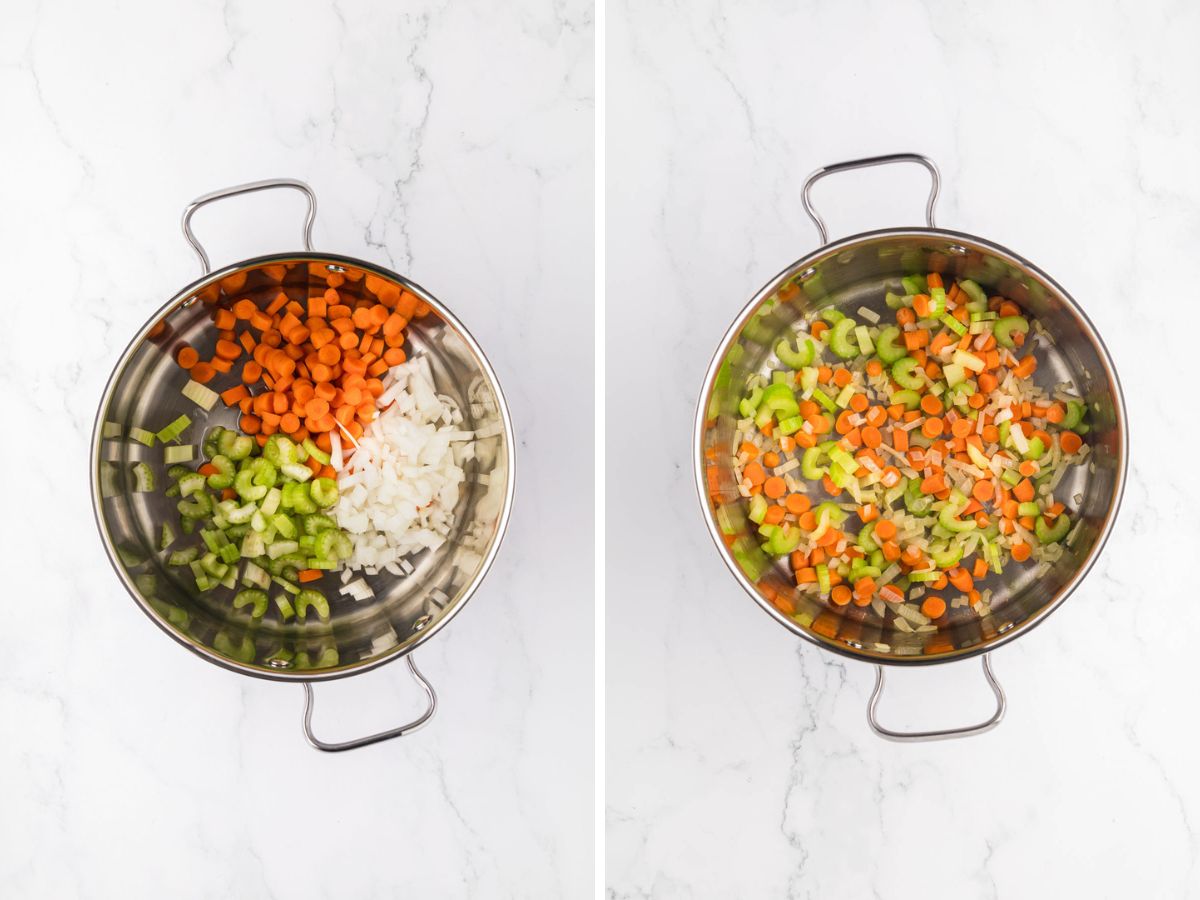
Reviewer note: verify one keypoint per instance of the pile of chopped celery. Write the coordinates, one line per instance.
(262, 520)
(932, 424)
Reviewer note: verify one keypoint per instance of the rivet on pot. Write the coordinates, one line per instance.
(957, 249)
(807, 273)
(278, 663)
(422, 622)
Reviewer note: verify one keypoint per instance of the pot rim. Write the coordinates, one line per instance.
(854, 241)
(341, 671)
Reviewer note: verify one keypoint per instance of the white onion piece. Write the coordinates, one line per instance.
(399, 489)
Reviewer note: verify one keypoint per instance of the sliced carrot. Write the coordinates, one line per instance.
(933, 607)
(202, 372)
(187, 357)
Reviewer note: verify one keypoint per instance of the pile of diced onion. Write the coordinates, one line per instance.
(400, 486)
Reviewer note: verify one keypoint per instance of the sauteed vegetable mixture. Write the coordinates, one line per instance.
(897, 464)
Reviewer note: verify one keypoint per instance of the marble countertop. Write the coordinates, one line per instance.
(452, 142)
(739, 759)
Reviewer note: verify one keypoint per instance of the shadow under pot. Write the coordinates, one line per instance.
(401, 610)
(843, 278)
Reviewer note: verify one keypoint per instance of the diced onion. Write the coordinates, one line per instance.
(399, 490)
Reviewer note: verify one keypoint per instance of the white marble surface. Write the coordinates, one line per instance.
(452, 141)
(739, 761)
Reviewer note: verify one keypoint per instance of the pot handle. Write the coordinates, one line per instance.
(944, 734)
(408, 728)
(250, 188)
(866, 164)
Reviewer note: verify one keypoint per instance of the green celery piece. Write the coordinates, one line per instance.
(802, 356)
(1052, 534)
(953, 324)
(175, 429)
(142, 436)
(824, 399)
(1075, 413)
(1005, 328)
(974, 292)
(888, 345)
(758, 509)
(313, 450)
(810, 464)
(309, 598)
(839, 339)
(254, 598)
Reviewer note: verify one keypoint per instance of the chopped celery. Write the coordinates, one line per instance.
(1075, 413)
(223, 477)
(937, 302)
(183, 557)
(166, 536)
(821, 397)
(974, 292)
(192, 483)
(948, 517)
(284, 605)
(282, 548)
(888, 345)
(178, 453)
(286, 585)
(314, 599)
(953, 324)
(758, 509)
(1052, 534)
(839, 339)
(907, 373)
(142, 436)
(823, 581)
(747, 407)
(1005, 328)
(802, 356)
(143, 477)
(280, 451)
(296, 471)
(234, 446)
(270, 503)
(946, 556)
(253, 546)
(810, 464)
(200, 395)
(175, 429)
(254, 598)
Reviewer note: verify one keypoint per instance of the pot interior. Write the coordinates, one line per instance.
(857, 272)
(145, 391)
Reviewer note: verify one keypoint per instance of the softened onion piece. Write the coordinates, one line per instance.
(399, 489)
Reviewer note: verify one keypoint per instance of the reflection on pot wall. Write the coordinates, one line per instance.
(146, 391)
(855, 273)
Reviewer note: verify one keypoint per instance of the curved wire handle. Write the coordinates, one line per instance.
(867, 163)
(943, 734)
(408, 728)
(249, 189)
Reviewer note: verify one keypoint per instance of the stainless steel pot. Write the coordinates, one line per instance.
(144, 389)
(856, 271)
